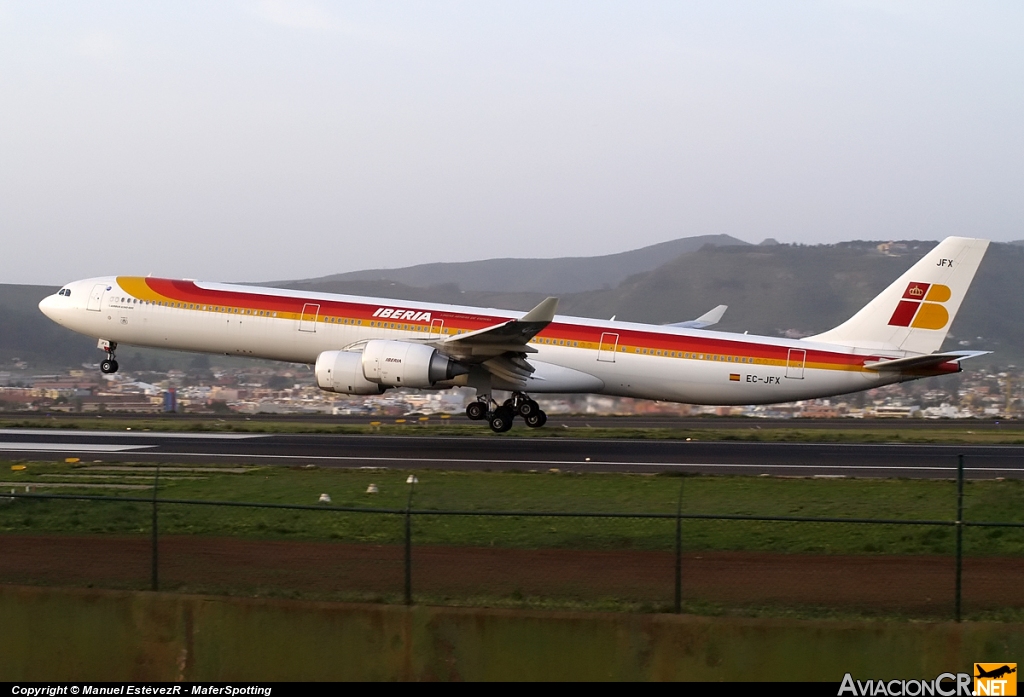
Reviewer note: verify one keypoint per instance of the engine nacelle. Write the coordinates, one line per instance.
(342, 372)
(404, 364)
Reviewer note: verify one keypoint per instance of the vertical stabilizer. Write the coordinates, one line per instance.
(914, 313)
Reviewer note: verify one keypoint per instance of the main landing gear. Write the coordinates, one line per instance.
(109, 364)
(501, 417)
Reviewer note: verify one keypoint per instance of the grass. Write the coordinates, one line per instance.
(899, 499)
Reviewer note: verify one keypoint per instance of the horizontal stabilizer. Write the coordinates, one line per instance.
(919, 362)
(705, 320)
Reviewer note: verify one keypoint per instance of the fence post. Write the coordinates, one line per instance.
(959, 533)
(408, 543)
(155, 579)
(677, 607)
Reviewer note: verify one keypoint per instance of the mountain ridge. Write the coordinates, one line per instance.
(557, 275)
(779, 289)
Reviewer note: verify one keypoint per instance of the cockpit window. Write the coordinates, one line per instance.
(66, 292)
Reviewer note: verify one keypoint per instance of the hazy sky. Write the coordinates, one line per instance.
(272, 140)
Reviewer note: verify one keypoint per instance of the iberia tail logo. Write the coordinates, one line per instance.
(922, 307)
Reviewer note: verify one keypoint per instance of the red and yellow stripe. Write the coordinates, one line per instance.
(187, 295)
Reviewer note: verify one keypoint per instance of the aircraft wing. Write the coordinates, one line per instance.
(501, 349)
(926, 361)
(705, 320)
(512, 336)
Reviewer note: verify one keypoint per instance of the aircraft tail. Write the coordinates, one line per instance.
(914, 313)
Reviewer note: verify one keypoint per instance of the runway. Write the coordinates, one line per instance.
(524, 454)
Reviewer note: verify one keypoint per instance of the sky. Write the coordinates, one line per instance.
(265, 140)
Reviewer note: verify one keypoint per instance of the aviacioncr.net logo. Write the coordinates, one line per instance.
(995, 679)
(945, 685)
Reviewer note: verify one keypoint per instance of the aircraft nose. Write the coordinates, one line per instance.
(48, 306)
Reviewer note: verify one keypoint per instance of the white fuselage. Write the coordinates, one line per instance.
(613, 358)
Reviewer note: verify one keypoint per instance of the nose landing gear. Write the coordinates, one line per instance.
(109, 364)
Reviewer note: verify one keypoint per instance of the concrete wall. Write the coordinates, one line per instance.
(58, 634)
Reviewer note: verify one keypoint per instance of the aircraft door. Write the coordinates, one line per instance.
(436, 328)
(795, 362)
(307, 321)
(608, 346)
(96, 297)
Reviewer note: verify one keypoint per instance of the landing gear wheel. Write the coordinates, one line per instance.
(108, 366)
(501, 419)
(536, 419)
(527, 408)
(476, 411)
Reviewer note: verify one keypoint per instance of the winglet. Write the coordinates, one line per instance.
(544, 312)
(705, 320)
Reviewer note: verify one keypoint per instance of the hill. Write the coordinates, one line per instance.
(782, 289)
(779, 289)
(27, 334)
(552, 276)
(801, 290)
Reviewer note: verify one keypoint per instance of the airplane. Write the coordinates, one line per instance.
(994, 673)
(364, 346)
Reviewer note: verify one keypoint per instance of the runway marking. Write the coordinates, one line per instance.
(71, 447)
(659, 442)
(200, 435)
(606, 463)
(76, 485)
(129, 434)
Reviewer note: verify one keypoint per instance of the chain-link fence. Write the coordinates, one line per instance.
(647, 562)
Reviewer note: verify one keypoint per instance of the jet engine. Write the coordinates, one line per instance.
(404, 364)
(342, 372)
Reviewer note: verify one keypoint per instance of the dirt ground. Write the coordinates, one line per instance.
(466, 575)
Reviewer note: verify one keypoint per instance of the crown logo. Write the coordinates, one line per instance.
(916, 291)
